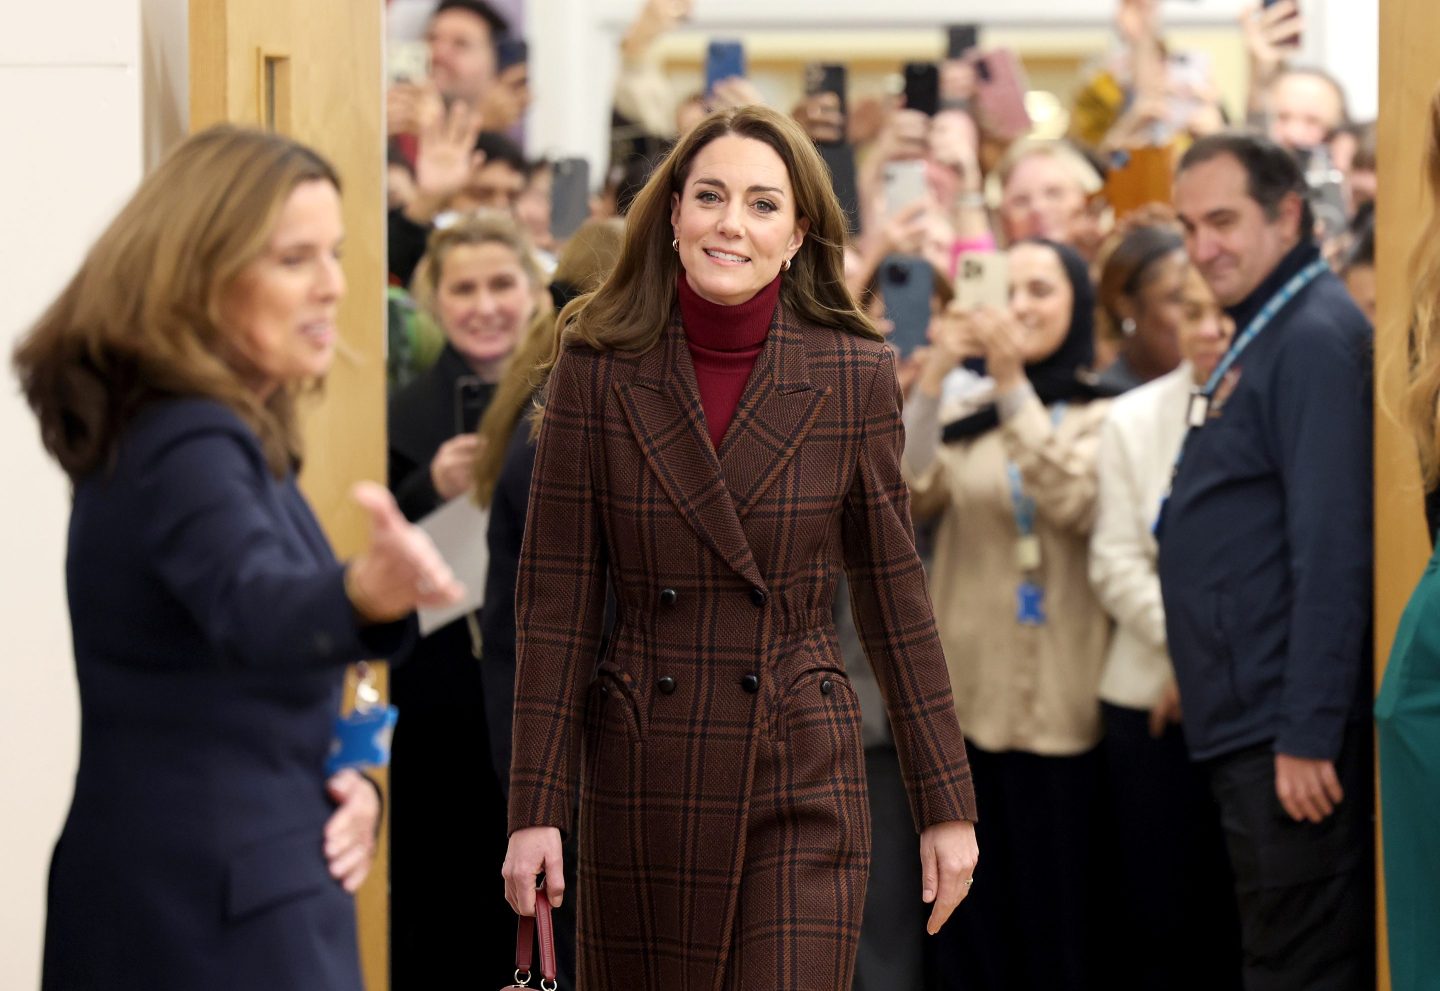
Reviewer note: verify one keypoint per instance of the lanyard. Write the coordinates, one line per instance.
(1022, 503)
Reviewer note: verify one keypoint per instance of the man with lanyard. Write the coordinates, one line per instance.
(1265, 570)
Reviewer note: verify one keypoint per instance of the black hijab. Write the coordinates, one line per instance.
(1062, 377)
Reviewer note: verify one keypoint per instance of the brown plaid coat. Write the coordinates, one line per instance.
(724, 825)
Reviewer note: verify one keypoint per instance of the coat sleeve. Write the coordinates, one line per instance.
(895, 619)
(559, 604)
(1322, 436)
(214, 543)
(1122, 560)
(1057, 467)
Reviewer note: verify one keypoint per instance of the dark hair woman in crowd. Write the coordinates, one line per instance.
(720, 437)
(1010, 479)
(482, 286)
(1141, 289)
(211, 621)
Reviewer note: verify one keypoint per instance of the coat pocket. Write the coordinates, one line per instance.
(274, 871)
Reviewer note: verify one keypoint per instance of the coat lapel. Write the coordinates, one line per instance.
(662, 406)
(776, 411)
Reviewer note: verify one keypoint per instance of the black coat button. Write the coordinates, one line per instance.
(668, 596)
(758, 596)
(666, 685)
(751, 683)
(826, 686)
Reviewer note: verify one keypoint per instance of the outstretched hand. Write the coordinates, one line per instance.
(401, 569)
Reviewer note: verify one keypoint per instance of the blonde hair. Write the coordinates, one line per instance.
(587, 258)
(141, 319)
(484, 227)
(1420, 403)
(631, 310)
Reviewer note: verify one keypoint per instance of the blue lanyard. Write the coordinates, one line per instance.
(1022, 503)
(1262, 320)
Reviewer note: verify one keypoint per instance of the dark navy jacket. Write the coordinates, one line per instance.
(1265, 547)
(211, 628)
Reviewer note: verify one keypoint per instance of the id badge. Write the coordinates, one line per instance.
(1030, 604)
(362, 737)
(1027, 552)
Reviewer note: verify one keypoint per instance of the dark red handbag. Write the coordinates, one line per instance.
(543, 925)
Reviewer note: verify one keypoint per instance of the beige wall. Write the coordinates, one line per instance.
(70, 98)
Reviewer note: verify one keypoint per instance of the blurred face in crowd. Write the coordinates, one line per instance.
(1041, 300)
(493, 186)
(1228, 235)
(1042, 199)
(462, 55)
(281, 308)
(1205, 330)
(735, 219)
(1360, 280)
(1156, 309)
(533, 207)
(1304, 109)
(688, 114)
(484, 301)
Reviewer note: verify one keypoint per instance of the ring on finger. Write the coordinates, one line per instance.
(969, 880)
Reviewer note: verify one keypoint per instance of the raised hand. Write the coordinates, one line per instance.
(401, 569)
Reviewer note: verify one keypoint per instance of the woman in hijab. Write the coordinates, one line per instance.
(1012, 490)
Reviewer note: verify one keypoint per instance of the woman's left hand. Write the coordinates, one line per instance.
(948, 855)
(350, 834)
(1000, 335)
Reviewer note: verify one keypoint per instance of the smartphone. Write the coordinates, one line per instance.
(510, 51)
(826, 77)
(1327, 193)
(1137, 177)
(983, 279)
(922, 87)
(569, 196)
(960, 38)
(907, 284)
(904, 184)
(723, 59)
(839, 158)
(469, 403)
(409, 62)
(1000, 87)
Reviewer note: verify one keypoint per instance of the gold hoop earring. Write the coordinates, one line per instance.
(675, 245)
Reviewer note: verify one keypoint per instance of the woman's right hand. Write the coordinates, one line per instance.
(951, 341)
(533, 851)
(453, 468)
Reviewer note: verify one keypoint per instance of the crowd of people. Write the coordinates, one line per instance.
(874, 488)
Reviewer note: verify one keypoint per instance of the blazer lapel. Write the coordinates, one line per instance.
(662, 406)
(776, 411)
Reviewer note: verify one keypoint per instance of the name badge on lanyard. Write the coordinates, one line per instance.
(362, 738)
(1030, 593)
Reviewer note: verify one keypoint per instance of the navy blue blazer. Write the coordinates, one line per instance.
(1265, 547)
(211, 629)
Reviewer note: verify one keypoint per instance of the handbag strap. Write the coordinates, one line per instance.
(544, 924)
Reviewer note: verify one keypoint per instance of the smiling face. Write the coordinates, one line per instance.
(462, 55)
(280, 311)
(734, 219)
(484, 301)
(1041, 199)
(1040, 299)
(1228, 235)
(1205, 330)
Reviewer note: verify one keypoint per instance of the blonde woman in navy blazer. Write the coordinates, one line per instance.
(212, 622)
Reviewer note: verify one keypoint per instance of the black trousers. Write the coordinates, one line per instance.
(1176, 925)
(1029, 922)
(1305, 891)
(892, 936)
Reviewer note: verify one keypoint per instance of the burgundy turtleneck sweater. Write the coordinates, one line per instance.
(724, 343)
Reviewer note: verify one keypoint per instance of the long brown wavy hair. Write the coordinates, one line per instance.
(1420, 403)
(631, 310)
(140, 320)
(584, 263)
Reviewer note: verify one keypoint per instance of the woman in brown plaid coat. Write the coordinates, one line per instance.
(724, 830)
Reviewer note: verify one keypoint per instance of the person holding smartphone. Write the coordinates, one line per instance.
(479, 282)
(1008, 474)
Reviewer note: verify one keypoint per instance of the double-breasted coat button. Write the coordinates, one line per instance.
(751, 683)
(758, 596)
(666, 685)
(826, 686)
(668, 596)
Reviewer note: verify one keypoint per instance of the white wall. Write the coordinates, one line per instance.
(70, 103)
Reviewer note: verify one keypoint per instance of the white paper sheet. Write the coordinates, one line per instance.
(458, 529)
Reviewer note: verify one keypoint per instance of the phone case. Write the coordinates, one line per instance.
(723, 59)
(922, 87)
(1000, 95)
(569, 196)
(904, 184)
(906, 285)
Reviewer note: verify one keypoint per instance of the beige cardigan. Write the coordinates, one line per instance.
(1022, 688)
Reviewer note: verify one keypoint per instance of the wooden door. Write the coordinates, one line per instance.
(312, 69)
(1409, 38)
